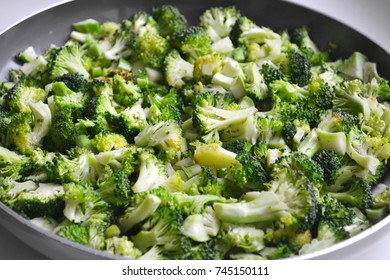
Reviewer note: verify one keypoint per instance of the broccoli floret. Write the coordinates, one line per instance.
(114, 188)
(214, 155)
(135, 214)
(150, 48)
(238, 146)
(108, 141)
(161, 229)
(288, 237)
(367, 151)
(290, 199)
(63, 133)
(246, 32)
(206, 66)
(69, 59)
(129, 122)
(333, 129)
(383, 90)
(65, 97)
(327, 235)
(299, 68)
(293, 132)
(75, 232)
(125, 92)
(151, 172)
(21, 96)
(300, 163)
(27, 130)
(47, 200)
(330, 163)
(177, 71)
(248, 174)
(208, 118)
(75, 82)
(321, 95)
(122, 246)
(247, 238)
(358, 194)
(169, 20)
(77, 196)
(270, 131)
(140, 23)
(347, 98)
(192, 43)
(287, 91)
(271, 73)
(166, 137)
(201, 227)
(219, 21)
(118, 45)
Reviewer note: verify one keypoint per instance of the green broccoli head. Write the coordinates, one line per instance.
(192, 43)
(169, 20)
(69, 59)
(219, 21)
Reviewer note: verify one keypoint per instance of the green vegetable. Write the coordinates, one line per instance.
(151, 138)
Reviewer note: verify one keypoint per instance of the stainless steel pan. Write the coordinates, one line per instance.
(54, 25)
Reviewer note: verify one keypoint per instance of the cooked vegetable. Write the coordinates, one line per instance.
(153, 139)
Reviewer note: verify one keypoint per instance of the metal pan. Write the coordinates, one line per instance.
(52, 26)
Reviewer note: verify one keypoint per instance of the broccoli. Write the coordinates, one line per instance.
(348, 99)
(75, 232)
(151, 173)
(150, 49)
(177, 71)
(192, 43)
(294, 132)
(367, 151)
(330, 163)
(125, 92)
(114, 188)
(122, 246)
(271, 73)
(63, 133)
(26, 131)
(118, 45)
(333, 129)
(163, 229)
(21, 96)
(299, 68)
(358, 194)
(166, 137)
(140, 23)
(292, 206)
(206, 66)
(208, 118)
(169, 20)
(75, 82)
(288, 91)
(300, 163)
(248, 174)
(247, 238)
(151, 138)
(129, 122)
(270, 131)
(69, 59)
(135, 214)
(245, 32)
(219, 21)
(201, 227)
(45, 200)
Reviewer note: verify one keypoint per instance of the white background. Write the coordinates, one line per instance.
(370, 17)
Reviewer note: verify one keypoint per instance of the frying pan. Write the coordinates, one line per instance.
(52, 26)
